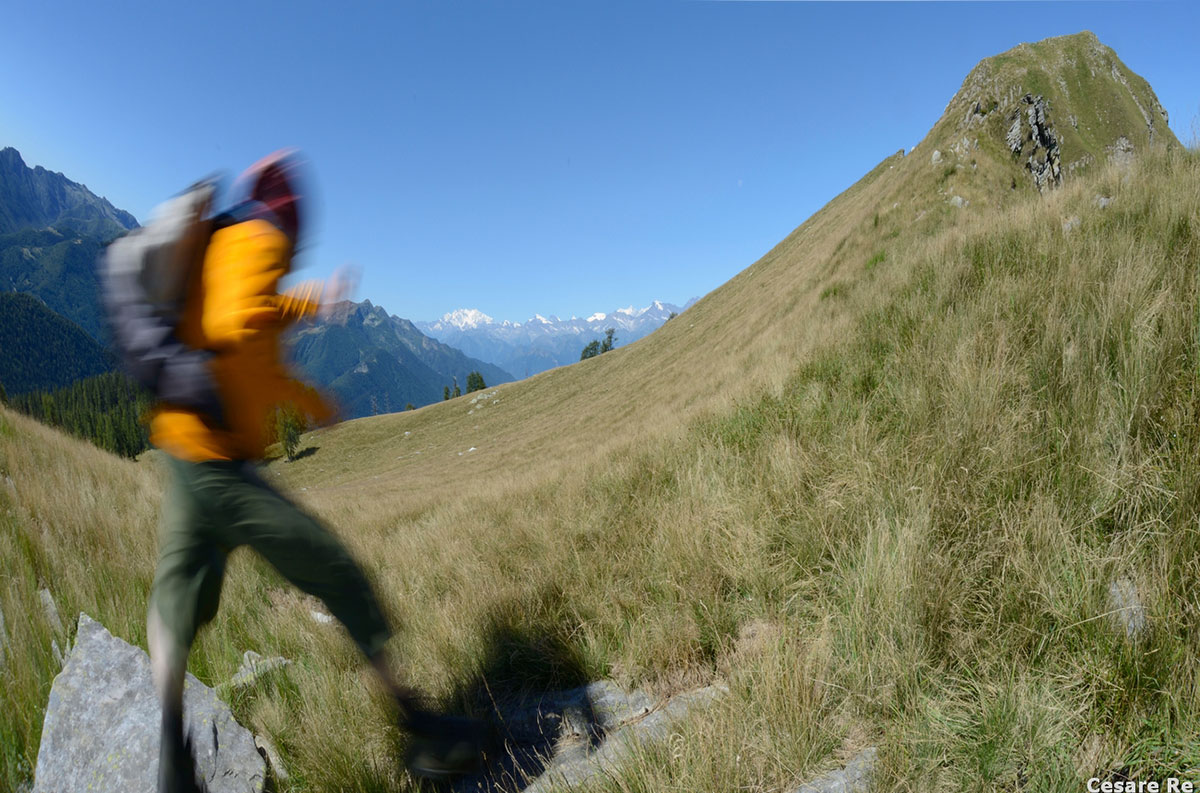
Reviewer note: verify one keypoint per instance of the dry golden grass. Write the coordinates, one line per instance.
(882, 497)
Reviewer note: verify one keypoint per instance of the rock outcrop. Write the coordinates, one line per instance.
(569, 737)
(1055, 107)
(1045, 159)
(101, 731)
(854, 778)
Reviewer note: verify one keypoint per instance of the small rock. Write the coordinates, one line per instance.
(254, 667)
(854, 778)
(1070, 224)
(959, 201)
(1121, 152)
(1103, 201)
(103, 721)
(1127, 608)
(50, 611)
(268, 751)
(936, 158)
(321, 617)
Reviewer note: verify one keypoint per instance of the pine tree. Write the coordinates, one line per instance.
(445, 393)
(475, 382)
(288, 426)
(106, 409)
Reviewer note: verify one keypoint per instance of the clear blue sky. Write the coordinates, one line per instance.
(520, 158)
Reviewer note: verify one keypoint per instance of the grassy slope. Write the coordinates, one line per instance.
(879, 482)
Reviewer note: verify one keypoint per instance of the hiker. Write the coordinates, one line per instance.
(219, 377)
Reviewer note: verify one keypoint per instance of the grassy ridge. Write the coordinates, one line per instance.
(901, 534)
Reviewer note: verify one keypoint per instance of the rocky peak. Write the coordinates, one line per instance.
(35, 198)
(1049, 109)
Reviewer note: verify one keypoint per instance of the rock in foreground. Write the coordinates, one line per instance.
(101, 730)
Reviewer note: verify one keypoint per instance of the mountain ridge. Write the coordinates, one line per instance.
(37, 198)
(375, 362)
(543, 342)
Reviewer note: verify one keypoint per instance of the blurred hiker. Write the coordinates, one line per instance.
(217, 371)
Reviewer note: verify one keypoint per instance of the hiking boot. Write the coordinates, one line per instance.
(443, 747)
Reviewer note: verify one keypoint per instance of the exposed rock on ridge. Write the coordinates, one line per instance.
(1045, 159)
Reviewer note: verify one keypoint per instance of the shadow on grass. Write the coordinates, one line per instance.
(307, 451)
(530, 688)
(275, 457)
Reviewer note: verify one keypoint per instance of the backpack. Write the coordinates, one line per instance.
(144, 279)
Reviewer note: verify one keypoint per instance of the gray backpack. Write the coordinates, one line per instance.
(144, 277)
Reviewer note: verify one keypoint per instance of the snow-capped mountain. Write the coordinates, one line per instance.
(541, 343)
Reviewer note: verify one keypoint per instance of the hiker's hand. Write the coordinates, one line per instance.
(341, 287)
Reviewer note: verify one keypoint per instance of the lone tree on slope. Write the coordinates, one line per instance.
(598, 347)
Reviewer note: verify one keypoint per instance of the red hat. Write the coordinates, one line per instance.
(274, 181)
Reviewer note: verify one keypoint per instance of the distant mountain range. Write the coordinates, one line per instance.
(374, 362)
(541, 343)
(52, 231)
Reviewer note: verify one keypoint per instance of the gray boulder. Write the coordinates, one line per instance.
(101, 730)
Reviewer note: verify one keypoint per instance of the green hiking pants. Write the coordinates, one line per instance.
(212, 508)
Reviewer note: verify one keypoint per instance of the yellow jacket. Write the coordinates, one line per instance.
(235, 310)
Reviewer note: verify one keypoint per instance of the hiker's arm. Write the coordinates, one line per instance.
(301, 301)
(241, 279)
